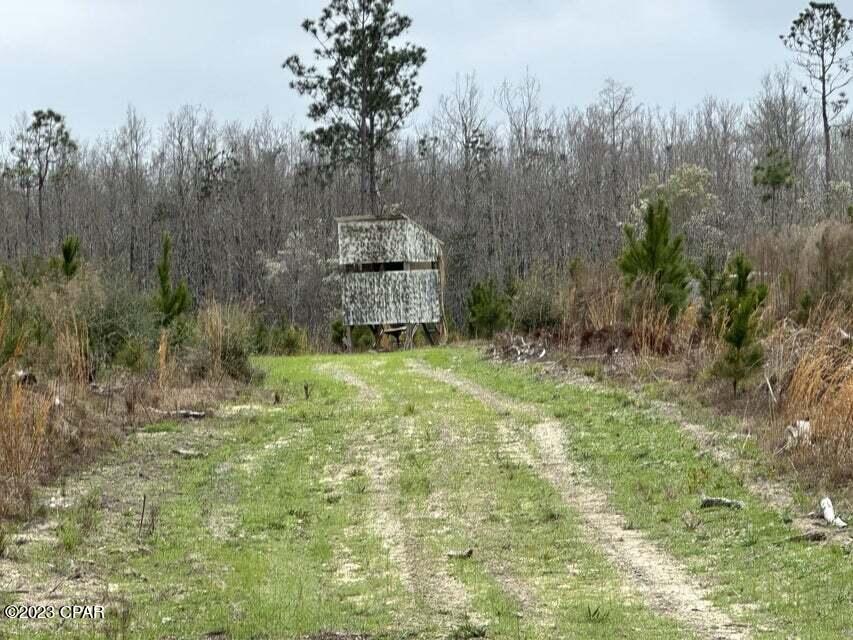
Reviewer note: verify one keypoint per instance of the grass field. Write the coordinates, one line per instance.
(426, 494)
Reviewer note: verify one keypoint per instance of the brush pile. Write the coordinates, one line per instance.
(511, 347)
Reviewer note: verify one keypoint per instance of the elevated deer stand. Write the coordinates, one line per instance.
(393, 278)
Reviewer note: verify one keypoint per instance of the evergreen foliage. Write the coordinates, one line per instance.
(740, 303)
(70, 256)
(171, 301)
(368, 88)
(657, 257)
(820, 37)
(772, 174)
(362, 337)
(488, 310)
(711, 281)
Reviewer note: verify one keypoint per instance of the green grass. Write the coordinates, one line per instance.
(80, 521)
(161, 427)
(518, 527)
(655, 475)
(276, 531)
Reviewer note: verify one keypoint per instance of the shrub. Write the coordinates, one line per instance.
(740, 303)
(658, 257)
(122, 323)
(488, 310)
(534, 303)
(280, 339)
(804, 310)
(171, 301)
(362, 337)
(226, 343)
(133, 355)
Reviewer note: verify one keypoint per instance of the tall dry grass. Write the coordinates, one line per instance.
(816, 364)
(72, 350)
(225, 337)
(211, 325)
(649, 322)
(24, 424)
(165, 370)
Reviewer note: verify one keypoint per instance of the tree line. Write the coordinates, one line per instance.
(503, 179)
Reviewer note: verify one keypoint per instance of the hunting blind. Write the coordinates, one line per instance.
(392, 277)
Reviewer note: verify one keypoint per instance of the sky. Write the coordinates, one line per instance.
(90, 59)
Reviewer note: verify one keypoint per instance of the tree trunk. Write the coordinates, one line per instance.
(41, 216)
(371, 167)
(364, 178)
(827, 142)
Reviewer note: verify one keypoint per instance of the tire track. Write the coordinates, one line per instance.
(652, 574)
(422, 574)
(721, 447)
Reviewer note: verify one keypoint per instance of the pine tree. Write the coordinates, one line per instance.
(170, 301)
(773, 173)
(488, 310)
(711, 282)
(658, 257)
(70, 256)
(820, 39)
(367, 90)
(740, 304)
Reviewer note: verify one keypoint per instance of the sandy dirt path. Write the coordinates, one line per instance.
(422, 573)
(649, 572)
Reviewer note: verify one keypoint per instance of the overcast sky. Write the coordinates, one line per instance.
(89, 59)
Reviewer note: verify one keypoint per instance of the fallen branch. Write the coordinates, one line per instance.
(107, 391)
(770, 389)
(710, 501)
(186, 414)
(188, 453)
(808, 536)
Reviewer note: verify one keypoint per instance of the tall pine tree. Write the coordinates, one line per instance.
(367, 88)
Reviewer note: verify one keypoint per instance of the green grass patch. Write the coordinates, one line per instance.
(655, 476)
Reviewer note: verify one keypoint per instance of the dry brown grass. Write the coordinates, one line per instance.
(649, 323)
(816, 259)
(819, 387)
(604, 302)
(71, 350)
(24, 420)
(165, 370)
(211, 325)
(25, 417)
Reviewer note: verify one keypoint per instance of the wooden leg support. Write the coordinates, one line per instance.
(428, 335)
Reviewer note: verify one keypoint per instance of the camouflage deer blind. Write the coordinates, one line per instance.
(391, 272)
